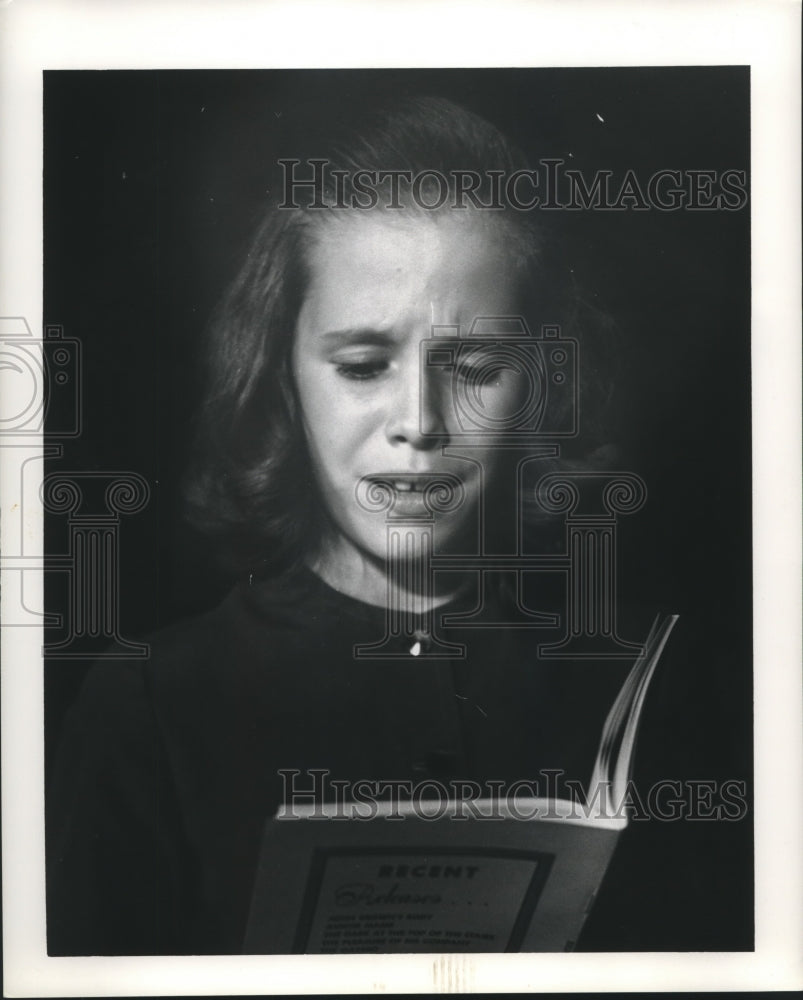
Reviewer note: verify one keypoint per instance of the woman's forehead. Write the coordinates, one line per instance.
(383, 268)
(400, 242)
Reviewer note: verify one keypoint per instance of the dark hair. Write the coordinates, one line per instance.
(251, 486)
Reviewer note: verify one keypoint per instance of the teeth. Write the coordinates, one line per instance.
(407, 485)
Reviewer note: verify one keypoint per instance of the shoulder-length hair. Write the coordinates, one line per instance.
(251, 485)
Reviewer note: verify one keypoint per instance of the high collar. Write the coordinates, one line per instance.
(301, 596)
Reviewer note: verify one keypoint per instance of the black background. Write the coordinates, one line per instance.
(152, 183)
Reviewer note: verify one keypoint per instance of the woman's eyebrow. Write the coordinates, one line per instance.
(357, 335)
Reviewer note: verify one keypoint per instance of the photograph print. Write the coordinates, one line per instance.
(398, 511)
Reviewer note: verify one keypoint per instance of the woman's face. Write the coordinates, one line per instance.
(370, 409)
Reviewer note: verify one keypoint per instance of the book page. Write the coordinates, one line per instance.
(335, 884)
(464, 903)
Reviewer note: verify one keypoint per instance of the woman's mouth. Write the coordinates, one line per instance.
(406, 485)
(412, 482)
(402, 493)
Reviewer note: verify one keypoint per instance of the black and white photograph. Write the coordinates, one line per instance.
(397, 486)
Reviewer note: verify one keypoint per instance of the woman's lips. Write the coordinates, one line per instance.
(406, 485)
(413, 492)
(407, 481)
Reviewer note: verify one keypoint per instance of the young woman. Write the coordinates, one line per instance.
(338, 460)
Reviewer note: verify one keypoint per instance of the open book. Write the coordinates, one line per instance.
(484, 876)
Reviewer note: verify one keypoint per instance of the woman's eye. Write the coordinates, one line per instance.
(469, 373)
(482, 374)
(361, 371)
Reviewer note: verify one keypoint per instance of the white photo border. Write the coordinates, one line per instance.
(37, 35)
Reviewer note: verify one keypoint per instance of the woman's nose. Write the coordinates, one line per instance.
(416, 414)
